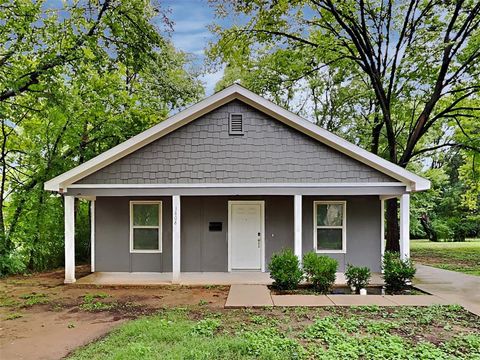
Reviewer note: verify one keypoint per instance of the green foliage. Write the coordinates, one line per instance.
(91, 303)
(356, 68)
(397, 272)
(269, 343)
(74, 82)
(463, 256)
(13, 316)
(320, 271)
(357, 276)
(358, 333)
(285, 270)
(11, 263)
(206, 327)
(34, 299)
(441, 213)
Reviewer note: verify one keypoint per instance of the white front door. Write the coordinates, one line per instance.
(246, 237)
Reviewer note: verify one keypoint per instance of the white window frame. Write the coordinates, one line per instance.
(343, 227)
(159, 227)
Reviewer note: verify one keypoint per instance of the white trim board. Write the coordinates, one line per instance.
(262, 238)
(210, 103)
(233, 185)
(159, 227)
(92, 235)
(343, 227)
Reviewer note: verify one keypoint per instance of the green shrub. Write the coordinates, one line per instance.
(285, 270)
(397, 272)
(357, 277)
(320, 271)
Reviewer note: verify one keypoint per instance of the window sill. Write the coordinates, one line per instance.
(331, 251)
(145, 251)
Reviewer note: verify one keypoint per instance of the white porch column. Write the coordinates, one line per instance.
(382, 227)
(405, 226)
(92, 235)
(69, 239)
(298, 226)
(176, 239)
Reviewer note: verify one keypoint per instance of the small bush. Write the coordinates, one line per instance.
(357, 277)
(397, 272)
(320, 271)
(285, 270)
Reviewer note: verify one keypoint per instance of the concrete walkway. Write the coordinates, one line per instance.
(241, 296)
(455, 287)
(245, 296)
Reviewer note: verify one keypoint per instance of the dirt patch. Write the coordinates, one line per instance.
(41, 318)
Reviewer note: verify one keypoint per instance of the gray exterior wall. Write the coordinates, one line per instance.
(204, 152)
(203, 250)
(112, 237)
(363, 231)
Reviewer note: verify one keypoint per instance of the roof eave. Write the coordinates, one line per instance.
(411, 180)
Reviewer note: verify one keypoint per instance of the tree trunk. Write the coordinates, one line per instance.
(428, 228)
(393, 230)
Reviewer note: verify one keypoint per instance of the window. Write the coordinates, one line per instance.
(235, 124)
(145, 226)
(329, 226)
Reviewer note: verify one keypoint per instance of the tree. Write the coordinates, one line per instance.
(74, 81)
(411, 65)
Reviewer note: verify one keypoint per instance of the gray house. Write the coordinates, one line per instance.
(222, 185)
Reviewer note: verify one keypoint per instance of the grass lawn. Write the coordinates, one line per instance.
(456, 256)
(436, 332)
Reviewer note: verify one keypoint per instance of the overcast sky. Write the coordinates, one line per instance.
(191, 18)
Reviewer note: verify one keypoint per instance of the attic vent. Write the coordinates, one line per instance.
(235, 125)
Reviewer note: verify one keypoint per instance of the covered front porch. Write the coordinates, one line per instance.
(283, 227)
(192, 278)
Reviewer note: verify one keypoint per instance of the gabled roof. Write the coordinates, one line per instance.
(61, 182)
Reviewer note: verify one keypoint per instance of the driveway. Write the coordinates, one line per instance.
(453, 286)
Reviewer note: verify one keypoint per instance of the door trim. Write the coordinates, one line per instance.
(262, 225)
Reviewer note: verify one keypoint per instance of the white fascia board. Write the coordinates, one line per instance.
(233, 185)
(412, 181)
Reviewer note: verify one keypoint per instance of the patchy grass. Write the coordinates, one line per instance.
(7, 300)
(13, 316)
(456, 256)
(435, 332)
(34, 298)
(91, 302)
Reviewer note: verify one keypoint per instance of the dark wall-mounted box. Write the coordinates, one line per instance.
(214, 226)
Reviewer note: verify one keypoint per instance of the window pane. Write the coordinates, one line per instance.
(145, 214)
(145, 239)
(329, 214)
(329, 239)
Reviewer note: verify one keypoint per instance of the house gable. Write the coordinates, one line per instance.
(204, 151)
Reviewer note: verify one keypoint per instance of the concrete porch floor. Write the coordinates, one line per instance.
(192, 278)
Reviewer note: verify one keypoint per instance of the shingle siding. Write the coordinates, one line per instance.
(204, 152)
